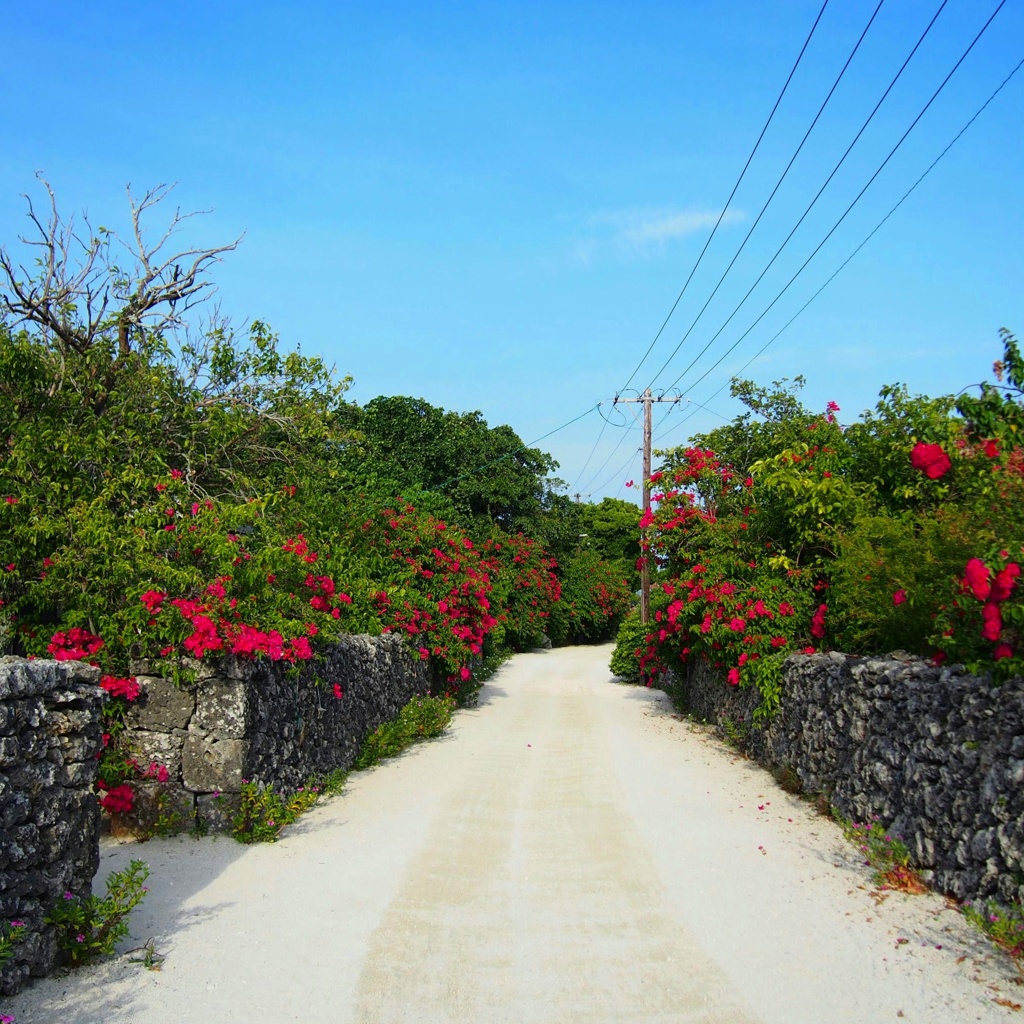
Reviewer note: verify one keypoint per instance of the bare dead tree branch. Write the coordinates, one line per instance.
(78, 296)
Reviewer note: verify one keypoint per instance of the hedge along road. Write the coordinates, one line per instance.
(569, 851)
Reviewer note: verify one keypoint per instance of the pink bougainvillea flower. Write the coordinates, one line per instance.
(930, 459)
(976, 579)
(176, 474)
(338, 692)
(992, 621)
(1002, 651)
(900, 597)
(809, 650)
(734, 677)
(1004, 581)
(738, 625)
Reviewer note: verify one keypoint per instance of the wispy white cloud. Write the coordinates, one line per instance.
(644, 231)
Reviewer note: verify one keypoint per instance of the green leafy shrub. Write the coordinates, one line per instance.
(629, 645)
(90, 927)
(1003, 924)
(420, 719)
(886, 854)
(11, 934)
(263, 812)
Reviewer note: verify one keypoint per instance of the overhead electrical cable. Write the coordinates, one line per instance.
(728, 202)
(611, 455)
(778, 185)
(835, 226)
(871, 234)
(516, 451)
(600, 434)
(620, 471)
(810, 205)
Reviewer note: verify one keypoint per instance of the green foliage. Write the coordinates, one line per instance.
(422, 718)
(893, 572)
(11, 933)
(1003, 924)
(765, 673)
(998, 412)
(886, 854)
(611, 532)
(263, 813)
(90, 927)
(629, 645)
(593, 599)
(785, 531)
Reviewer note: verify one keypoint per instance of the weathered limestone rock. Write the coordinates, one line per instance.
(50, 733)
(935, 753)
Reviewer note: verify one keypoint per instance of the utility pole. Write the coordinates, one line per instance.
(647, 400)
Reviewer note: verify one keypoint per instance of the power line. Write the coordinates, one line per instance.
(732, 195)
(611, 455)
(778, 185)
(868, 237)
(516, 451)
(812, 203)
(846, 212)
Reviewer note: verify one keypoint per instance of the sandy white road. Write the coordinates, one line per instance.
(570, 851)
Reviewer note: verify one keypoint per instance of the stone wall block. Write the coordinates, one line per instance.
(161, 706)
(161, 748)
(213, 765)
(222, 708)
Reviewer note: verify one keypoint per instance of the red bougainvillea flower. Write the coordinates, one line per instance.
(991, 448)
(338, 692)
(899, 597)
(118, 800)
(976, 579)
(930, 459)
(1002, 651)
(992, 621)
(734, 677)
(76, 644)
(818, 622)
(1004, 581)
(809, 650)
(939, 657)
(126, 688)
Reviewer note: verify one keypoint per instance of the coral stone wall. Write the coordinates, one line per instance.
(265, 722)
(936, 754)
(50, 734)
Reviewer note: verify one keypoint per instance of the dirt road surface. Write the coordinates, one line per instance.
(569, 851)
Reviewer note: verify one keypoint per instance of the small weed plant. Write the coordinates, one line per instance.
(90, 927)
(10, 936)
(886, 854)
(420, 719)
(1003, 924)
(264, 812)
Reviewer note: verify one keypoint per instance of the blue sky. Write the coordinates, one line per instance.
(494, 206)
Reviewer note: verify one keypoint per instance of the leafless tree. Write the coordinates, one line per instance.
(79, 296)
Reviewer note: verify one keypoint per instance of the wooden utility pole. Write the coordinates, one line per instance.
(647, 400)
